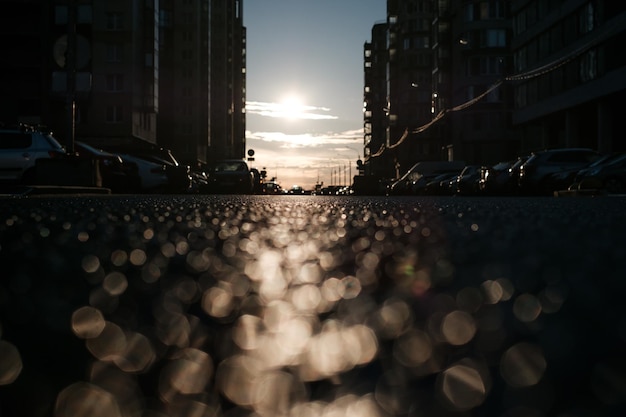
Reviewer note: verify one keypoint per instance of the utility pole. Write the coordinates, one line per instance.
(70, 65)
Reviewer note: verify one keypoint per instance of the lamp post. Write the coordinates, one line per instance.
(70, 62)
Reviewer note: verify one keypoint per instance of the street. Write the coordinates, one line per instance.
(114, 305)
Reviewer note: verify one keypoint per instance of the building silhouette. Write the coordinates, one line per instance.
(375, 104)
(504, 78)
(471, 55)
(136, 73)
(570, 73)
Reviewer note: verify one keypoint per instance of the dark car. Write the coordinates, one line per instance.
(436, 185)
(608, 173)
(501, 178)
(535, 173)
(158, 169)
(115, 174)
(296, 190)
(257, 181)
(20, 148)
(415, 179)
(466, 183)
(232, 176)
(271, 188)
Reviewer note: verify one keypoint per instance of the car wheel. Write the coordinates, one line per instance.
(614, 186)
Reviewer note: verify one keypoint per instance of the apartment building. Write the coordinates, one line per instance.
(185, 56)
(445, 99)
(129, 73)
(471, 57)
(376, 161)
(409, 75)
(228, 81)
(117, 70)
(570, 73)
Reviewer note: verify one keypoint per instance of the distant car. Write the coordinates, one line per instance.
(272, 188)
(330, 190)
(117, 175)
(296, 190)
(231, 176)
(20, 148)
(534, 174)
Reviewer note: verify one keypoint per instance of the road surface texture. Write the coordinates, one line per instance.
(311, 306)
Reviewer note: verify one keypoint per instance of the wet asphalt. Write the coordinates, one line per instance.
(312, 305)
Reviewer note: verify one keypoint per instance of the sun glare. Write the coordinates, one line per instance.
(292, 107)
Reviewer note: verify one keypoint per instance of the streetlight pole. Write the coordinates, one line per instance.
(70, 65)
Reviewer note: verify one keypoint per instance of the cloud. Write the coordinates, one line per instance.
(288, 111)
(309, 140)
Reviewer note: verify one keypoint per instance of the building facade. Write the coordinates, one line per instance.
(185, 56)
(228, 81)
(471, 51)
(129, 73)
(374, 105)
(570, 73)
(117, 70)
(409, 77)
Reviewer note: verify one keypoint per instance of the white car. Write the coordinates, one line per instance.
(20, 147)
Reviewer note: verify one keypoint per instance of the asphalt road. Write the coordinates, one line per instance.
(312, 306)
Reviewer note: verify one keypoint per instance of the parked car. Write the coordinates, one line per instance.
(466, 183)
(20, 148)
(436, 185)
(159, 170)
(272, 188)
(608, 173)
(231, 176)
(535, 173)
(330, 190)
(415, 179)
(117, 175)
(257, 181)
(296, 190)
(501, 178)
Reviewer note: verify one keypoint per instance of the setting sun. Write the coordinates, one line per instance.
(292, 107)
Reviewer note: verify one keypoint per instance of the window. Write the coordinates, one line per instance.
(469, 12)
(114, 21)
(587, 18)
(485, 65)
(422, 42)
(114, 82)
(588, 66)
(493, 38)
(114, 52)
(114, 114)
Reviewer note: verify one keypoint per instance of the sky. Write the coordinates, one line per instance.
(304, 79)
